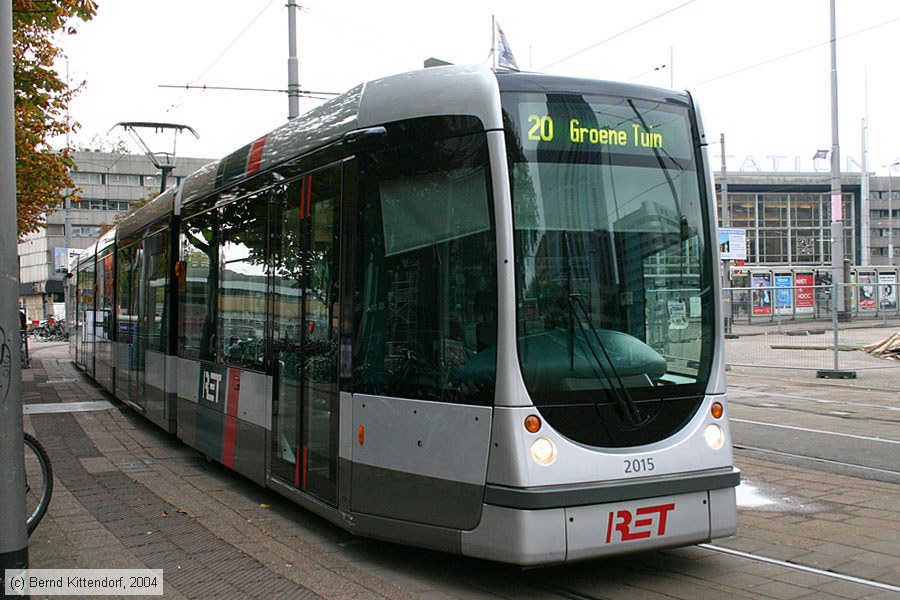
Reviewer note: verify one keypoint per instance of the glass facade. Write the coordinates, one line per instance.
(790, 228)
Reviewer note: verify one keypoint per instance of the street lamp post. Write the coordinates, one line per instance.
(837, 207)
(13, 539)
(891, 211)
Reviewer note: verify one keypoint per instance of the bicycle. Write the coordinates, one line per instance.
(38, 482)
(51, 332)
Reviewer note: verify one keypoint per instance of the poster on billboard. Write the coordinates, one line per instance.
(63, 258)
(733, 244)
(866, 294)
(887, 282)
(60, 260)
(784, 295)
(805, 293)
(762, 294)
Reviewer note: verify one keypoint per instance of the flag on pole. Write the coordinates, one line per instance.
(820, 154)
(505, 58)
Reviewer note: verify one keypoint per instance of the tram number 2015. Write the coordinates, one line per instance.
(639, 465)
(541, 129)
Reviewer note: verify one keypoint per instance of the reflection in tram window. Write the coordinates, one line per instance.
(242, 280)
(198, 283)
(427, 267)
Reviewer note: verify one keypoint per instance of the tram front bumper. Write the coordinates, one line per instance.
(545, 535)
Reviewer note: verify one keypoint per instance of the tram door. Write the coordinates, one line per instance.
(304, 450)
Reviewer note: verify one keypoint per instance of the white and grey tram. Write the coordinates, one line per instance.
(453, 308)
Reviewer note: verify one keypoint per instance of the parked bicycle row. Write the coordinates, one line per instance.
(51, 330)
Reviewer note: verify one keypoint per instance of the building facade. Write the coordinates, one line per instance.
(109, 183)
(787, 219)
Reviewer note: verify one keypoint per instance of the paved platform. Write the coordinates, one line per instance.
(127, 495)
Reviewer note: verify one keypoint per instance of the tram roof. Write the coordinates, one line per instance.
(469, 90)
(447, 90)
(155, 210)
(542, 82)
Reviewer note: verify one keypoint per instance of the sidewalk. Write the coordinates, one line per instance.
(127, 495)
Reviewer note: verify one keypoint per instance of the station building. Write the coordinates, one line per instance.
(787, 219)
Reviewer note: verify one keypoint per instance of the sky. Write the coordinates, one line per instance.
(761, 71)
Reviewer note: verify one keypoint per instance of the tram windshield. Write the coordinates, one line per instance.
(613, 268)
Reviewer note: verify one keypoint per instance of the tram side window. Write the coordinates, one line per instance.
(425, 306)
(86, 308)
(242, 283)
(125, 319)
(198, 282)
(154, 306)
(105, 277)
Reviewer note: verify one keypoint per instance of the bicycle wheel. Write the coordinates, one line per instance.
(38, 482)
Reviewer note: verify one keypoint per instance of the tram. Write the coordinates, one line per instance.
(460, 309)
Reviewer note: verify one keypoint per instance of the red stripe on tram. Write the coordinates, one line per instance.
(302, 199)
(305, 197)
(305, 465)
(255, 159)
(231, 415)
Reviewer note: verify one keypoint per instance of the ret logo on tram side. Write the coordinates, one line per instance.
(213, 391)
(649, 521)
(211, 384)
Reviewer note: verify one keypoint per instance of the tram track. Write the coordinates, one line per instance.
(813, 399)
(824, 384)
(864, 452)
(571, 593)
(876, 473)
(864, 438)
(803, 568)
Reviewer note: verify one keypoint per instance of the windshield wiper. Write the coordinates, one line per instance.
(619, 390)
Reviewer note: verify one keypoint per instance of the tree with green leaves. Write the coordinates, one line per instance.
(41, 100)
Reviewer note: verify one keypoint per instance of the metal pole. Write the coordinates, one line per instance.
(837, 203)
(726, 222)
(494, 42)
(672, 74)
(840, 290)
(726, 208)
(293, 71)
(13, 537)
(891, 214)
(837, 334)
(864, 232)
(68, 225)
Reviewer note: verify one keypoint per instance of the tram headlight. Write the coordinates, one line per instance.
(543, 451)
(714, 436)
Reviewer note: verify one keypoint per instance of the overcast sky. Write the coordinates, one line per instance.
(760, 70)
